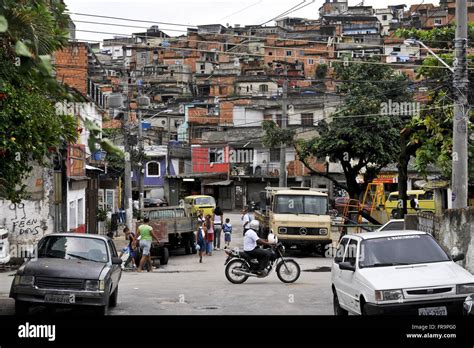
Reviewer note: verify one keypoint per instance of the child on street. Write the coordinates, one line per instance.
(227, 228)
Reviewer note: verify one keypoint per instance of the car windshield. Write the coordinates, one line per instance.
(79, 248)
(204, 201)
(400, 250)
(292, 204)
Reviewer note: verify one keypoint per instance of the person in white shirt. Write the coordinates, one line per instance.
(251, 242)
(246, 219)
(218, 217)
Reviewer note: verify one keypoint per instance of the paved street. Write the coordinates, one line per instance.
(185, 286)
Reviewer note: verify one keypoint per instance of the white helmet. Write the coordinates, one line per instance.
(254, 225)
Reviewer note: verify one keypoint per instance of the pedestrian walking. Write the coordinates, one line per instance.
(201, 241)
(218, 218)
(246, 218)
(146, 234)
(209, 230)
(227, 228)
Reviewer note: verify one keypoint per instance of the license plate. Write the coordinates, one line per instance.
(433, 311)
(63, 299)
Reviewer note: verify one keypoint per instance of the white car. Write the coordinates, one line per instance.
(397, 272)
(4, 246)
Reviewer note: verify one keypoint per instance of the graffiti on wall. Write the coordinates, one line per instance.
(22, 223)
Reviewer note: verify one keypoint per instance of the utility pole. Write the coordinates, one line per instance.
(282, 179)
(142, 101)
(459, 179)
(141, 176)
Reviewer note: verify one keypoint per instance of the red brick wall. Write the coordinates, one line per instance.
(71, 66)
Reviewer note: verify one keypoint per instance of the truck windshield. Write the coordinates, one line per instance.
(293, 204)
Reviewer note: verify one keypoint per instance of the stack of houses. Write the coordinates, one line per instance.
(211, 89)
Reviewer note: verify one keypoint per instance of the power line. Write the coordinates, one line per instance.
(242, 10)
(256, 37)
(294, 8)
(130, 20)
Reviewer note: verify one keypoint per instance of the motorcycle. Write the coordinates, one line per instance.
(240, 266)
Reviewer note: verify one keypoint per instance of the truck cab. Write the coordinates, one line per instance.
(299, 217)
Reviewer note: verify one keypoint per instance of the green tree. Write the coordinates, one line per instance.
(30, 129)
(432, 129)
(358, 136)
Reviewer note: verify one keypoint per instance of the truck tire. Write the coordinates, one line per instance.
(164, 256)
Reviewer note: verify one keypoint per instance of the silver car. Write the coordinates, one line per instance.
(69, 269)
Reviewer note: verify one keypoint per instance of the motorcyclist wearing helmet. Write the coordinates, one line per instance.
(251, 242)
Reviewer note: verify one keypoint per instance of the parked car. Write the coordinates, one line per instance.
(425, 201)
(397, 272)
(70, 270)
(197, 203)
(4, 246)
(393, 225)
(154, 202)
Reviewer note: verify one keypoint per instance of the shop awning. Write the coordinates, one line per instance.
(220, 183)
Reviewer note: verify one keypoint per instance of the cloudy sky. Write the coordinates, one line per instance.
(191, 12)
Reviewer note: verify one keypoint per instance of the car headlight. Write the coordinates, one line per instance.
(282, 230)
(92, 285)
(323, 231)
(388, 295)
(465, 288)
(24, 280)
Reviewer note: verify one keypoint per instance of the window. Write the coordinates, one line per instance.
(351, 253)
(307, 119)
(80, 211)
(397, 49)
(263, 88)
(302, 52)
(295, 204)
(274, 155)
(340, 250)
(203, 66)
(427, 196)
(384, 17)
(289, 53)
(310, 61)
(110, 200)
(216, 155)
(270, 53)
(153, 169)
(389, 251)
(438, 21)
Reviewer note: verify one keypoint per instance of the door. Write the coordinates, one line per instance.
(337, 280)
(225, 197)
(116, 269)
(239, 196)
(349, 288)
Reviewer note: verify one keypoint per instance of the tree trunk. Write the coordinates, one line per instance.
(402, 166)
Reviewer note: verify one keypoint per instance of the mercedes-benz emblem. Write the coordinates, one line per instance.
(303, 231)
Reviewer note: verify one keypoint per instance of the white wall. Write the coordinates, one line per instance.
(28, 221)
(244, 117)
(74, 195)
